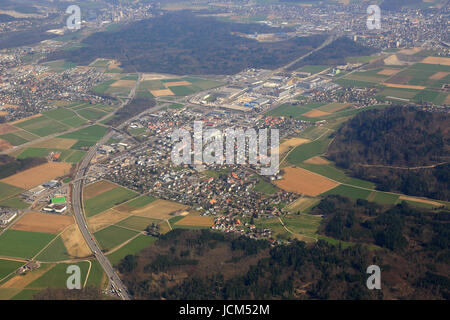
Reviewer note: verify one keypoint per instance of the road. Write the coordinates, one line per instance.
(77, 202)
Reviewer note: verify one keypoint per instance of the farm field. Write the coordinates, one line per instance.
(43, 222)
(42, 126)
(23, 244)
(137, 223)
(194, 220)
(304, 182)
(107, 200)
(35, 176)
(96, 188)
(133, 247)
(7, 190)
(8, 266)
(182, 86)
(265, 187)
(15, 203)
(113, 236)
(303, 204)
(59, 65)
(56, 251)
(349, 191)
(92, 133)
(287, 145)
(159, 209)
(74, 242)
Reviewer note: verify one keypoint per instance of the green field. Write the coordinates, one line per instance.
(303, 224)
(287, 110)
(15, 203)
(137, 223)
(265, 187)
(7, 190)
(60, 114)
(330, 171)
(141, 201)
(113, 236)
(133, 247)
(59, 65)
(74, 122)
(13, 139)
(103, 87)
(91, 113)
(23, 244)
(107, 200)
(56, 251)
(349, 191)
(308, 150)
(385, 198)
(75, 157)
(8, 266)
(57, 276)
(83, 144)
(42, 126)
(91, 133)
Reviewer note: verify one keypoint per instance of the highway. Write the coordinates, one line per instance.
(77, 203)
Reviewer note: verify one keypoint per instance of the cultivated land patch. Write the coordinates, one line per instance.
(304, 182)
(107, 200)
(43, 222)
(74, 242)
(55, 143)
(177, 83)
(96, 188)
(302, 204)
(437, 60)
(317, 160)
(113, 236)
(316, 114)
(192, 220)
(439, 75)
(291, 143)
(23, 244)
(7, 128)
(137, 223)
(388, 72)
(133, 247)
(56, 277)
(35, 176)
(161, 93)
(334, 107)
(403, 86)
(21, 281)
(5, 145)
(8, 266)
(349, 191)
(56, 251)
(105, 219)
(159, 209)
(124, 83)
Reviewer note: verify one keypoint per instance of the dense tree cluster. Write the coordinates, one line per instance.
(130, 110)
(183, 43)
(400, 148)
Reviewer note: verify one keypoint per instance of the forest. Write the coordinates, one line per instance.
(183, 43)
(400, 149)
(130, 110)
(202, 264)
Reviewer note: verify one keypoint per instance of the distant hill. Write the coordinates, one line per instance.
(399, 148)
(183, 43)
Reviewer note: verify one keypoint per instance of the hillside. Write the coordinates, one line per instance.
(400, 149)
(198, 265)
(182, 43)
